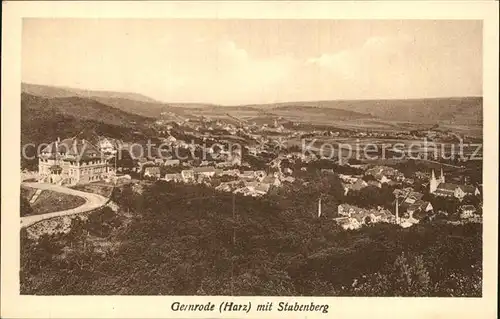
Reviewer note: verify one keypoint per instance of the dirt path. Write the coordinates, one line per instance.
(92, 201)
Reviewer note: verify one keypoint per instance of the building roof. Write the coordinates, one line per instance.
(418, 205)
(231, 171)
(468, 208)
(172, 161)
(80, 149)
(447, 187)
(152, 170)
(262, 187)
(172, 176)
(358, 185)
(469, 189)
(248, 174)
(379, 171)
(289, 179)
(373, 183)
(205, 169)
(187, 172)
(113, 141)
(415, 195)
(270, 179)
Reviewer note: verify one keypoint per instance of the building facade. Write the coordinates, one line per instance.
(72, 161)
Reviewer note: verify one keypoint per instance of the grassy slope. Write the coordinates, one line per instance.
(179, 247)
(50, 201)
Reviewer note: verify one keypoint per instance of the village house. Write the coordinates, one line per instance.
(152, 172)
(229, 186)
(172, 162)
(411, 205)
(247, 175)
(359, 166)
(170, 140)
(374, 184)
(420, 207)
(467, 211)
(173, 177)
(223, 164)
(158, 161)
(352, 217)
(348, 223)
(289, 179)
(409, 181)
(187, 175)
(109, 146)
(348, 178)
(260, 175)
(205, 163)
(356, 186)
(272, 180)
(253, 188)
(206, 171)
(231, 172)
(258, 188)
(402, 192)
(384, 174)
(72, 161)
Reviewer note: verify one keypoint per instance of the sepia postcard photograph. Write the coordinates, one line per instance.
(251, 166)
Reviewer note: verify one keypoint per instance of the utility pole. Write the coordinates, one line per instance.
(234, 245)
(397, 210)
(234, 220)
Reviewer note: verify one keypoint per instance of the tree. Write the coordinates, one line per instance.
(25, 208)
(126, 197)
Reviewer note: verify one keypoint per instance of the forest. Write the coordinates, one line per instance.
(176, 239)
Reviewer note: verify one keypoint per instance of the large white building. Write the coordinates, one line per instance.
(72, 161)
(439, 187)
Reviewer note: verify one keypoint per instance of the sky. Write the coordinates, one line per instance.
(233, 62)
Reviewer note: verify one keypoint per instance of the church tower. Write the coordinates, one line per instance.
(433, 183)
(442, 176)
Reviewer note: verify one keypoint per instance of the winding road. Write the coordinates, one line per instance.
(92, 201)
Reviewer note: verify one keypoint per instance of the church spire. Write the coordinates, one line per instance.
(319, 207)
(433, 183)
(442, 176)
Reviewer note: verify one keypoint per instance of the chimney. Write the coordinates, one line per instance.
(397, 210)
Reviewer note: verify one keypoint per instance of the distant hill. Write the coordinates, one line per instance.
(443, 111)
(128, 102)
(53, 91)
(147, 109)
(459, 110)
(316, 111)
(80, 108)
